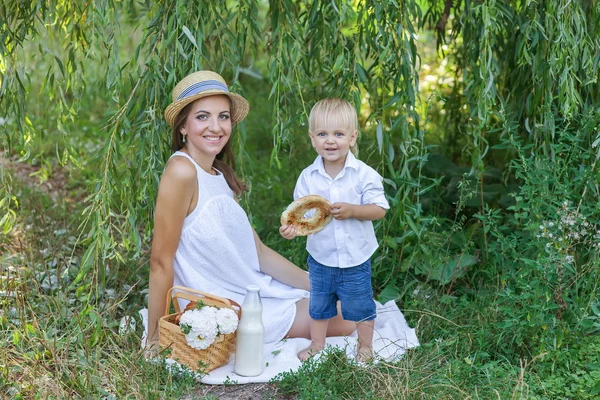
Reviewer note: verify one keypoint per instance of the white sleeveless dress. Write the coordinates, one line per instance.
(217, 254)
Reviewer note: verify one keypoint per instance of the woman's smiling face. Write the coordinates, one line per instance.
(207, 127)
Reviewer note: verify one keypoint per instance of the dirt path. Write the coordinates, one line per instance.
(54, 186)
(249, 391)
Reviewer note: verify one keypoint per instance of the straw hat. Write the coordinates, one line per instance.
(202, 84)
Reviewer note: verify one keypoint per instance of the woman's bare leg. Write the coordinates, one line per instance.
(301, 327)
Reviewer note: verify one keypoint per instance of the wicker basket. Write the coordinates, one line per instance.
(171, 336)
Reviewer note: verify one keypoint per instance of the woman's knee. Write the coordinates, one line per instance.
(301, 325)
(338, 326)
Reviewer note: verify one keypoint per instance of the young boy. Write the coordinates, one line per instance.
(339, 255)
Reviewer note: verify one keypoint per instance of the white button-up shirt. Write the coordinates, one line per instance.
(349, 242)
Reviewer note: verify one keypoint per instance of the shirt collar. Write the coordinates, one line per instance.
(351, 162)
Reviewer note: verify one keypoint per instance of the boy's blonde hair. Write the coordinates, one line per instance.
(336, 112)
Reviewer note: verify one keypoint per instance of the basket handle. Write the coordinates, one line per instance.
(185, 293)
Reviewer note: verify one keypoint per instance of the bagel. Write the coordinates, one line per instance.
(294, 214)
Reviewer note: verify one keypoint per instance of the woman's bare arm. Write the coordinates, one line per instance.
(175, 193)
(280, 268)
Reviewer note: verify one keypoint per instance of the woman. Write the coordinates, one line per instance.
(202, 237)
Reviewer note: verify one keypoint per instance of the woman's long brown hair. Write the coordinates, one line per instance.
(225, 160)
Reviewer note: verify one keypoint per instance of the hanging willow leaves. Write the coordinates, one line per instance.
(526, 70)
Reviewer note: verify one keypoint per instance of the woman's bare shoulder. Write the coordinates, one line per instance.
(180, 170)
(176, 189)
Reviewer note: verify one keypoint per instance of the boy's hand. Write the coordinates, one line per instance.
(288, 231)
(342, 210)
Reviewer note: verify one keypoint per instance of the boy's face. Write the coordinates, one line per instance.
(333, 142)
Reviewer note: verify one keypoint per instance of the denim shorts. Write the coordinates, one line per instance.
(352, 286)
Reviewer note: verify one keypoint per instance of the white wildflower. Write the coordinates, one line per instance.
(151, 113)
(550, 224)
(227, 320)
(209, 312)
(126, 325)
(569, 259)
(189, 318)
(199, 342)
(205, 324)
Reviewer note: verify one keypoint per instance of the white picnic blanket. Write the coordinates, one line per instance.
(391, 339)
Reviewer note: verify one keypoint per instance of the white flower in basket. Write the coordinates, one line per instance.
(202, 325)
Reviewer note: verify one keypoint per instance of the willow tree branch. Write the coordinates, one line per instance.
(441, 25)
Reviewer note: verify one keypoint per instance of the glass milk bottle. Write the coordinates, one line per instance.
(250, 335)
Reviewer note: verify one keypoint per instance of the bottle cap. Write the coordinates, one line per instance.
(253, 288)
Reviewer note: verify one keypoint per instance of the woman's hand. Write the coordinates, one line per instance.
(152, 349)
(288, 231)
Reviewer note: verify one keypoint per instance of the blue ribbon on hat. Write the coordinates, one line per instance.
(200, 87)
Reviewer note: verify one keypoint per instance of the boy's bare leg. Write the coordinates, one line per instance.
(318, 331)
(365, 340)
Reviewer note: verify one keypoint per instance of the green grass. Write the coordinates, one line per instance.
(60, 343)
